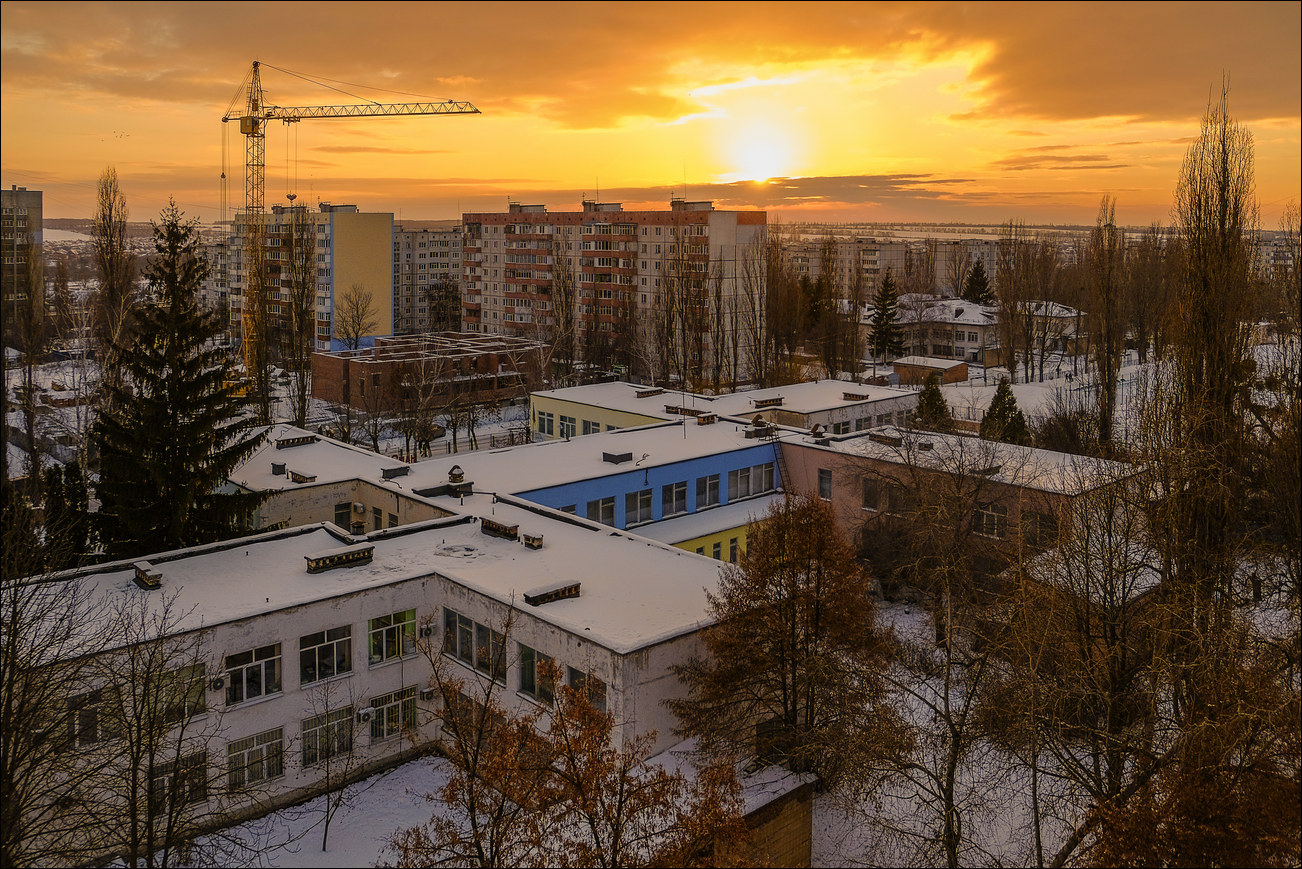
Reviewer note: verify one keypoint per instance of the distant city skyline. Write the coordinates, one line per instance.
(814, 112)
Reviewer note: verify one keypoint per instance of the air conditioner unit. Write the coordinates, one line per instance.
(216, 683)
(364, 715)
(427, 694)
(359, 507)
(427, 630)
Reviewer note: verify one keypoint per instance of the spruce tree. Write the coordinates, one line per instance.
(886, 336)
(933, 411)
(174, 429)
(1004, 420)
(977, 289)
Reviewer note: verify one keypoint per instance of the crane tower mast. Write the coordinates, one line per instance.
(253, 118)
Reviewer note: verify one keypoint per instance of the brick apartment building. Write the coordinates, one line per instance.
(624, 263)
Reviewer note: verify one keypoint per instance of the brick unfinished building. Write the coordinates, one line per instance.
(382, 378)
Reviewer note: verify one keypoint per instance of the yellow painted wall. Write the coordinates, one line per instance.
(605, 417)
(363, 254)
(723, 538)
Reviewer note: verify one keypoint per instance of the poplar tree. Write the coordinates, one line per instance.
(1004, 420)
(174, 428)
(886, 337)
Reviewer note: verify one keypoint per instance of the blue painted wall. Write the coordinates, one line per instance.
(624, 479)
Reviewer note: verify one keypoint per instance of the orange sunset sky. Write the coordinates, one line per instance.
(839, 111)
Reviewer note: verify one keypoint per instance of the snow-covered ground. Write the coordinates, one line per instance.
(374, 809)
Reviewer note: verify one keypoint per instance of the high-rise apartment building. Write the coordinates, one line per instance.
(340, 247)
(427, 280)
(20, 239)
(660, 294)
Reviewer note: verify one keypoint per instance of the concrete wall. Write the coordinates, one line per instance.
(363, 254)
(606, 418)
(308, 503)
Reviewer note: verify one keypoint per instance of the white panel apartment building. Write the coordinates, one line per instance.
(426, 277)
(617, 258)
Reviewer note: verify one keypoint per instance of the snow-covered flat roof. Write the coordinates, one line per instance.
(1028, 467)
(808, 397)
(330, 461)
(509, 470)
(634, 592)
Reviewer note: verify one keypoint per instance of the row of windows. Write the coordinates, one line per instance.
(484, 649)
(716, 551)
(988, 520)
(258, 672)
(638, 505)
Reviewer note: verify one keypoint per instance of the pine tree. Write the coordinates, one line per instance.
(933, 411)
(1004, 420)
(174, 428)
(977, 289)
(886, 336)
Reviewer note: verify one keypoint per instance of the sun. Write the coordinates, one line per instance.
(760, 153)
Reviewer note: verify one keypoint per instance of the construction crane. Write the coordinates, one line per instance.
(253, 118)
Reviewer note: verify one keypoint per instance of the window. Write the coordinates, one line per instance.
(707, 491)
(762, 479)
(570, 508)
(716, 552)
(841, 427)
(590, 427)
(972, 337)
(871, 493)
(546, 424)
(700, 550)
(377, 516)
(178, 782)
(533, 681)
(252, 674)
(1040, 529)
(602, 511)
(991, 520)
(390, 713)
(325, 654)
(738, 484)
(673, 499)
(85, 724)
(393, 520)
(184, 693)
(825, 484)
(567, 427)
(255, 758)
(327, 734)
(596, 688)
(899, 499)
(862, 423)
(344, 514)
(393, 636)
(637, 507)
(732, 550)
(474, 644)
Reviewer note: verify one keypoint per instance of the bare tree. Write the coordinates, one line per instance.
(48, 782)
(113, 301)
(564, 332)
(1105, 271)
(299, 333)
(330, 746)
(355, 317)
(32, 331)
(958, 265)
